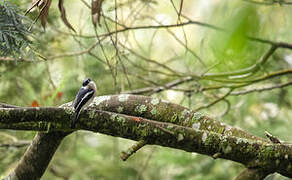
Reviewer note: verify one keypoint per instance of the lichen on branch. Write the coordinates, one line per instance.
(157, 122)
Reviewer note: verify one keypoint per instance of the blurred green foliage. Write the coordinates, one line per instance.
(13, 30)
(233, 50)
(85, 155)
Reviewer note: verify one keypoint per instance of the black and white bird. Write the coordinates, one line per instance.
(84, 97)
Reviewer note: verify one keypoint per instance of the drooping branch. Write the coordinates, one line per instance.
(161, 123)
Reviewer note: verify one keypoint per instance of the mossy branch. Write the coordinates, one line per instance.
(143, 118)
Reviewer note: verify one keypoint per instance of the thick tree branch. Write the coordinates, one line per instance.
(145, 118)
(37, 157)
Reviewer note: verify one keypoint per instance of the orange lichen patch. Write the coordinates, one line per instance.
(137, 119)
(59, 95)
(34, 103)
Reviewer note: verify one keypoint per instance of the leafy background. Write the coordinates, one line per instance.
(52, 82)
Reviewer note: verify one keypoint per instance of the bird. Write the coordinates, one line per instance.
(83, 98)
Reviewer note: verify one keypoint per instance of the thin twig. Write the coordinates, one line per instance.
(215, 101)
(133, 149)
(157, 89)
(17, 144)
(272, 138)
(261, 89)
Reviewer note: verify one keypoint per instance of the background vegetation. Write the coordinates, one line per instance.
(52, 68)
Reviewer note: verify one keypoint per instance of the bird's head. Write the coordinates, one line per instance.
(88, 83)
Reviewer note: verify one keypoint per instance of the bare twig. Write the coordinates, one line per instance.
(157, 89)
(276, 86)
(17, 144)
(272, 138)
(133, 149)
(216, 155)
(3, 105)
(228, 106)
(215, 101)
(271, 2)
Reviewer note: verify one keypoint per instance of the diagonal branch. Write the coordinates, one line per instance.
(37, 157)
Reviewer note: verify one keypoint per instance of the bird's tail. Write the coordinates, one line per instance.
(73, 122)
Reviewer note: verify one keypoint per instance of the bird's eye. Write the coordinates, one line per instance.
(86, 82)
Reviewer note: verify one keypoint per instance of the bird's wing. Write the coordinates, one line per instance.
(82, 97)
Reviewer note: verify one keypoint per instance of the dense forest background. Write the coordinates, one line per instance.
(157, 44)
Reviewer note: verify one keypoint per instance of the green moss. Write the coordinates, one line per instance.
(120, 109)
(144, 132)
(170, 127)
(69, 110)
(289, 168)
(173, 118)
(141, 126)
(113, 117)
(91, 114)
(197, 116)
(153, 111)
(221, 130)
(154, 101)
(208, 140)
(183, 114)
(204, 137)
(196, 125)
(180, 137)
(227, 149)
(42, 125)
(123, 97)
(121, 119)
(268, 151)
(278, 154)
(48, 127)
(140, 109)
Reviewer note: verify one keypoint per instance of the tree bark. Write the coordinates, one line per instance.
(252, 174)
(37, 157)
(154, 121)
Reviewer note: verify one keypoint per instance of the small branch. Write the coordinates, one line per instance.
(180, 10)
(59, 173)
(261, 89)
(249, 81)
(252, 69)
(215, 101)
(216, 155)
(17, 144)
(165, 130)
(133, 149)
(252, 174)
(272, 138)
(3, 105)
(228, 107)
(157, 89)
(271, 2)
(148, 60)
